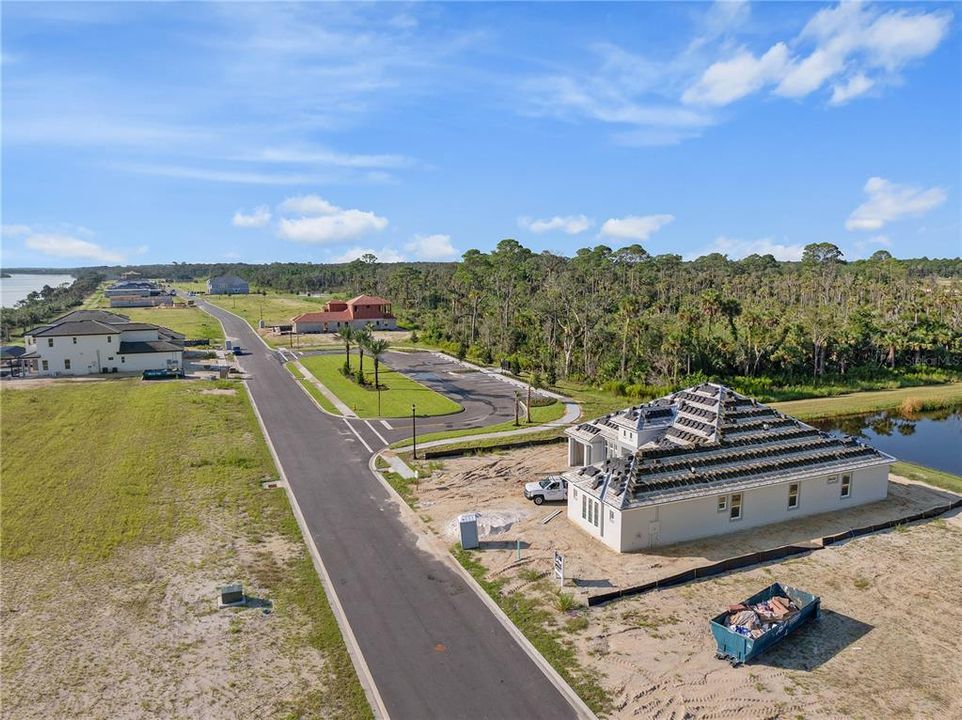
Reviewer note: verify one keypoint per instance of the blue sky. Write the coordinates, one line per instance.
(259, 132)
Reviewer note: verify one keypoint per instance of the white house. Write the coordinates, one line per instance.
(707, 461)
(88, 342)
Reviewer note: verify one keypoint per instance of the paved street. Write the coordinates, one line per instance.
(433, 647)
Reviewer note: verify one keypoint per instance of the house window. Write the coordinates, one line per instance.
(584, 507)
(723, 503)
(793, 496)
(736, 507)
(75, 341)
(109, 339)
(49, 342)
(597, 509)
(846, 486)
(575, 491)
(46, 365)
(123, 359)
(611, 515)
(66, 364)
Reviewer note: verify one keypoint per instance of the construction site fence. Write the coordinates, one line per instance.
(762, 556)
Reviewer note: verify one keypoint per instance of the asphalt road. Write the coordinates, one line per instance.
(486, 399)
(433, 648)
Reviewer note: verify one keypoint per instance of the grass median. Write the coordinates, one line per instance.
(398, 392)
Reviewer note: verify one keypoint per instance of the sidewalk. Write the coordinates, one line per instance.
(335, 400)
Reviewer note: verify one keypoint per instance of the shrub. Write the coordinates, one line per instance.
(536, 379)
(359, 377)
(565, 601)
(911, 406)
(414, 337)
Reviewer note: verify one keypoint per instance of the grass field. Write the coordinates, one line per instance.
(938, 478)
(98, 476)
(275, 308)
(929, 397)
(539, 416)
(312, 389)
(397, 394)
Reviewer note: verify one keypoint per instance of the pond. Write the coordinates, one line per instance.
(932, 438)
(15, 288)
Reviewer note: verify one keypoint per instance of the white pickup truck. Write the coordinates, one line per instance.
(551, 488)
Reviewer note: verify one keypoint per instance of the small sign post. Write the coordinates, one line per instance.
(559, 567)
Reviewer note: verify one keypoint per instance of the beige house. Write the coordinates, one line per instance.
(708, 461)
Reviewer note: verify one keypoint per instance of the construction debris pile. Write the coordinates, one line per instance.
(755, 620)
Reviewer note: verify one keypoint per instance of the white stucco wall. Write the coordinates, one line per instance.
(93, 353)
(699, 517)
(332, 326)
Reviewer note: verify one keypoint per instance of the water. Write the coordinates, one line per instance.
(16, 287)
(933, 438)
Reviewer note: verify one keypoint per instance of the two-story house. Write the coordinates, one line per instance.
(89, 342)
(357, 313)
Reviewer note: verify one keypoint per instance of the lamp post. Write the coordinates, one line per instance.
(379, 401)
(414, 432)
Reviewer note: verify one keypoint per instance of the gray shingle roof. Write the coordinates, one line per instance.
(80, 327)
(148, 346)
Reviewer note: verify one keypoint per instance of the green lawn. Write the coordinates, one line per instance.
(929, 397)
(195, 324)
(938, 478)
(91, 469)
(274, 308)
(539, 416)
(397, 394)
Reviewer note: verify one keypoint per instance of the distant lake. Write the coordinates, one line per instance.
(932, 438)
(16, 287)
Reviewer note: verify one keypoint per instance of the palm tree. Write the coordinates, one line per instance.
(362, 338)
(348, 335)
(376, 348)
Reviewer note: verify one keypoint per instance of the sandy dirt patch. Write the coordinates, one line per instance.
(140, 635)
(887, 644)
(219, 391)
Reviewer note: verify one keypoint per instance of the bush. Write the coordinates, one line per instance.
(462, 351)
(414, 337)
(536, 379)
(565, 601)
(346, 369)
(359, 377)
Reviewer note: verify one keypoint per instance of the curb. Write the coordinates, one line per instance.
(554, 677)
(347, 633)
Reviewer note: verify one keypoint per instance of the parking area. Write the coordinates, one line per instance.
(486, 399)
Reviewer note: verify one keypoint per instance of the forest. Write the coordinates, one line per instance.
(624, 317)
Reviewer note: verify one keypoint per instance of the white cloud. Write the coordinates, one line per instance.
(635, 227)
(259, 218)
(432, 247)
(243, 177)
(570, 224)
(67, 246)
(741, 75)
(888, 201)
(852, 46)
(323, 223)
(14, 230)
(307, 205)
(323, 156)
(736, 249)
(384, 255)
(853, 87)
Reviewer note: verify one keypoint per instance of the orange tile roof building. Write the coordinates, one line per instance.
(357, 313)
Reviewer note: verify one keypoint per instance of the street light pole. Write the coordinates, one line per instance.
(414, 432)
(379, 401)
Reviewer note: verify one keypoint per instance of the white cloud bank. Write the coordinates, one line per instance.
(67, 246)
(432, 247)
(736, 249)
(259, 218)
(324, 223)
(635, 227)
(569, 224)
(888, 201)
(851, 46)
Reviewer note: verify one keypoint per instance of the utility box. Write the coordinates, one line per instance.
(468, 523)
(232, 595)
